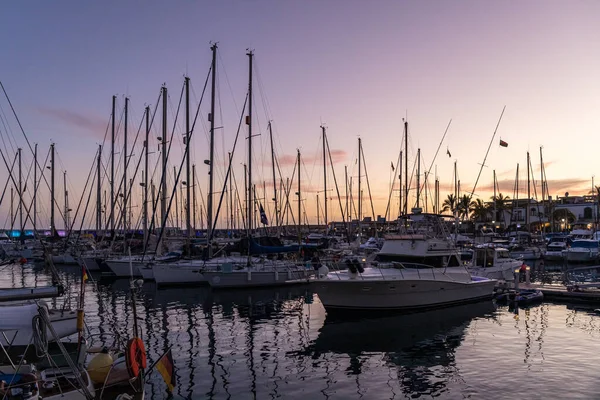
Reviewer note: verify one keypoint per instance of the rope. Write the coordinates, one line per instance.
(40, 336)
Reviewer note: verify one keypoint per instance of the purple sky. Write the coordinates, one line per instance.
(358, 67)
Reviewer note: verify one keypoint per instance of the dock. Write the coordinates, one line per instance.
(579, 293)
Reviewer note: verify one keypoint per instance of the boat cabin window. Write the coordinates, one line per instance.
(484, 257)
(502, 254)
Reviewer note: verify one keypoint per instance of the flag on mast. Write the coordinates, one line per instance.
(263, 216)
(503, 143)
(393, 169)
(448, 152)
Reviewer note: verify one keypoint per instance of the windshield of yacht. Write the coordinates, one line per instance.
(502, 254)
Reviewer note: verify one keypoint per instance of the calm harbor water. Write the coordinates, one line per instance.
(279, 343)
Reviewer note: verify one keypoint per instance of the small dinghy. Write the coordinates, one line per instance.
(522, 296)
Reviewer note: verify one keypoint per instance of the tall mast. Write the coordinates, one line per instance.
(194, 199)
(99, 191)
(163, 189)
(250, 54)
(495, 200)
(455, 191)
(359, 180)
(528, 196)
(346, 184)
(405, 167)
(67, 225)
(212, 145)
(12, 208)
(52, 225)
(112, 168)
(176, 199)
(125, 203)
(188, 185)
(418, 176)
(274, 181)
(35, 186)
(324, 182)
(21, 228)
(299, 199)
(400, 208)
(146, 174)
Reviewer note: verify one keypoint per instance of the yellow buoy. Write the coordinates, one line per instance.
(99, 367)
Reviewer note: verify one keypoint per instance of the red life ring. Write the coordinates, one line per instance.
(135, 356)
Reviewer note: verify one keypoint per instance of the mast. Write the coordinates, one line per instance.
(194, 198)
(188, 214)
(274, 181)
(176, 199)
(52, 225)
(146, 174)
(250, 54)
(495, 200)
(324, 183)
(35, 186)
(99, 191)
(346, 182)
(12, 209)
(163, 189)
(528, 196)
(418, 176)
(359, 181)
(67, 225)
(212, 146)
(400, 188)
(125, 210)
(405, 167)
(455, 191)
(112, 168)
(21, 228)
(299, 200)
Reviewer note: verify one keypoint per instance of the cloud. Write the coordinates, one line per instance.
(95, 125)
(337, 156)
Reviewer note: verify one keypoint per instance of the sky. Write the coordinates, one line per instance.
(358, 68)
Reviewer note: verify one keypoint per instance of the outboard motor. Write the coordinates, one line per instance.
(358, 266)
(351, 267)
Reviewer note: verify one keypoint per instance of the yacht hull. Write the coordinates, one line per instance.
(251, 278)
(387, 295)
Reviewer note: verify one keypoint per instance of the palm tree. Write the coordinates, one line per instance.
(464, 207)
(500, 201)
(480, 210)
(449, 204)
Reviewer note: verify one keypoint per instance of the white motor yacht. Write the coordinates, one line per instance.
(416, 269)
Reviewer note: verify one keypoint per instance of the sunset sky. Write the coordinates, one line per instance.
(357, 67)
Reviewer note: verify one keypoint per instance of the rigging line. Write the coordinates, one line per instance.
(8, 180)
(387, 209)
(86, 207)
(487, 152)
(439, 146)
(336, 185)
(7, 129)
(368, 185)
(152, 223)
(237, 135)
(9, 132)
(70, 228)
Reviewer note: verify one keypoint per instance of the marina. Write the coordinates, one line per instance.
(280, 342)
(299, 200)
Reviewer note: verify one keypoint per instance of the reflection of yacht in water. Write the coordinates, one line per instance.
(413, 343)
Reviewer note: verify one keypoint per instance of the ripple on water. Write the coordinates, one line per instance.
(280, 343)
